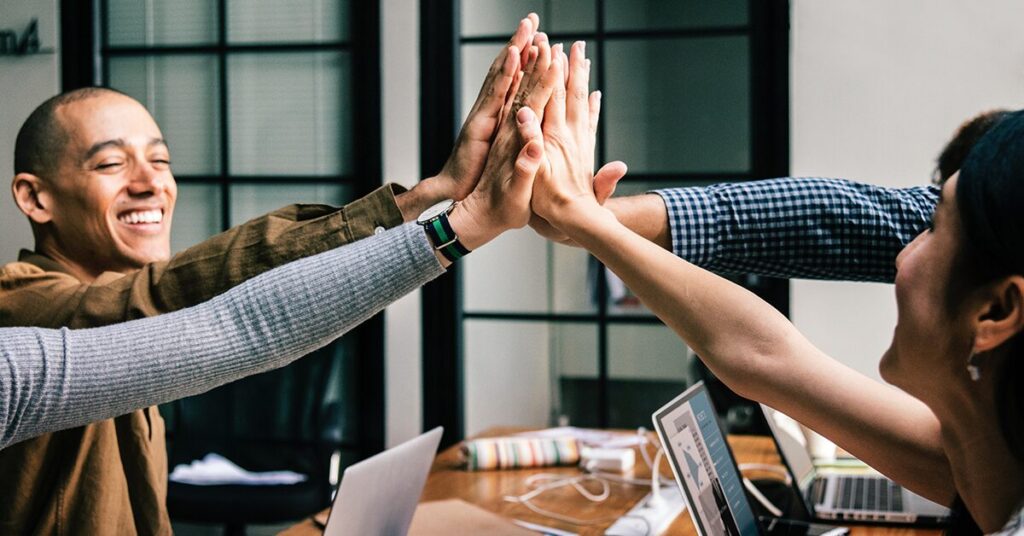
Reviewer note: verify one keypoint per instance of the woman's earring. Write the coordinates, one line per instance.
(972, 367)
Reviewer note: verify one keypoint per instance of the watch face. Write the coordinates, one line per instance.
(435, 211)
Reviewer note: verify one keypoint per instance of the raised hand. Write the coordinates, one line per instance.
(606, 178)
(501, 199)
(466, 163)
(570, 120)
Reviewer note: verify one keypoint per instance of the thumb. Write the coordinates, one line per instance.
(528, 126)
(607, 178)
(527, 163)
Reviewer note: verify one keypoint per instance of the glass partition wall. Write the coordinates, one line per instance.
(261, 102)
(694, 92)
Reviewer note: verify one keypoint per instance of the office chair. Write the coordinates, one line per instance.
(299, 418)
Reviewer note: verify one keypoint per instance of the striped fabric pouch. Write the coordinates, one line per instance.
(513, 452)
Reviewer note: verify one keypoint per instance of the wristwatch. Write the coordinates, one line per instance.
(435, 222)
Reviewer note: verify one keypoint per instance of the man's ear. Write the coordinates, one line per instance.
(31, 196)
(1002, 314)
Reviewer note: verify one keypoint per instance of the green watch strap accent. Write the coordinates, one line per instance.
(442, 236)
(444, 239)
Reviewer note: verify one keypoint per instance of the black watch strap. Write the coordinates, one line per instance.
(444, 239)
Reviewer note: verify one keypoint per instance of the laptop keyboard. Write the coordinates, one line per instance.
(869, 493)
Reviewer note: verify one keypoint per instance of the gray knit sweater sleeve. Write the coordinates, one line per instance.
(56, 379)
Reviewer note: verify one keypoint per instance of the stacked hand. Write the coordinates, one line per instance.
(534, 117)
(565, 182)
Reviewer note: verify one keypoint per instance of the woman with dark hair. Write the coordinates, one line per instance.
(952, 428)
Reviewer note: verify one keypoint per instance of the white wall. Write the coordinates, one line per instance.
(401, 149)
(877, 88)
(24, 83)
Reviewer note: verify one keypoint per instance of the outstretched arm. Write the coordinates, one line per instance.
(812, 228)
(745, 341)
(56, 379)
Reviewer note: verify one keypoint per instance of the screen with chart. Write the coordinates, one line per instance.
(703, 463)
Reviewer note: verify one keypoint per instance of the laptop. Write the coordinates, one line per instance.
(708, 477)
(847, 497)
(379, 495)
(703, 465)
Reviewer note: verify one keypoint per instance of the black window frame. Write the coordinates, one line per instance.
(85, 60)
(443, 315)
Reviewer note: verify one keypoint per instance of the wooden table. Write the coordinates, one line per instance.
(448, 480)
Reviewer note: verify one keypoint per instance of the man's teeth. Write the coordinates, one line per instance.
(145, 216)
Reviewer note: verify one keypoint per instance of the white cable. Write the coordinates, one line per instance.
(656, 500)
(612, 477)
(761, 498)
(564, 518)
(776, 470)
(548, 481)
(765, 468)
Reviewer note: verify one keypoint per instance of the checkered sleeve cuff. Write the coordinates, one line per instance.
(692, 222)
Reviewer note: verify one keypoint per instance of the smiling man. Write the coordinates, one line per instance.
(107, 204)
(92, 174)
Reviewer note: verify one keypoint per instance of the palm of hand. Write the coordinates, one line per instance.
(570, 127)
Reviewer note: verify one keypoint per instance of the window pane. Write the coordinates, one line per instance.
(196, 215)
(490, 285)
(678, 105)
(134, 23)
(251, 200)
(545, 278)
(574, 368)
(496, 352)
(273, 21)
(572, 284)
(648, 365)
(676, 14)
(500, 17)
(182, 94)
(290, 114)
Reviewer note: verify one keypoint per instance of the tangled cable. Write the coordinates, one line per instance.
(543, 482)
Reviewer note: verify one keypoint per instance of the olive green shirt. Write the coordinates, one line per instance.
(110, 477)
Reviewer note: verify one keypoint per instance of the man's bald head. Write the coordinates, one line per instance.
(42, 138)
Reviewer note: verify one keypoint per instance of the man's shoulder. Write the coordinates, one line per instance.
(19, 273)
(30, 295)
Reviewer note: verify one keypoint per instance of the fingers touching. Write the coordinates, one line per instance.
(578, 84)
(553, 84)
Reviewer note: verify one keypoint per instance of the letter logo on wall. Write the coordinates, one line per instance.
(13, 44)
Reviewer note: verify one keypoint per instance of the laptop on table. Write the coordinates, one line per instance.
(703, 465)
(708, 477)
(847, 497)
(379, 495)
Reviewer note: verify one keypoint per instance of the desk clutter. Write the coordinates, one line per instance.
(216, 470)
(552, 447)
(520, 452)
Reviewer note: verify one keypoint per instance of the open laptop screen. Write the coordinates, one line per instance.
(704, 466)
(787, 435)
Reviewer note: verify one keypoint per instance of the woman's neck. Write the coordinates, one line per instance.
(989, 478)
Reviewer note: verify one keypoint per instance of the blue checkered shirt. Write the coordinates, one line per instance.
(809, 228)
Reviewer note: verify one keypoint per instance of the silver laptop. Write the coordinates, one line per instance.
(379, 495)
(848, 497)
